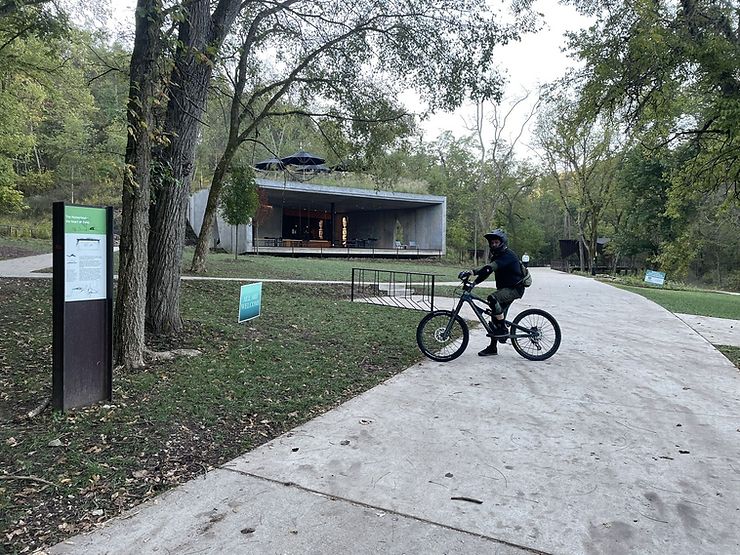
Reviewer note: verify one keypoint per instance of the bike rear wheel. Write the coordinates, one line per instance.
(434, 339)
(542, 338)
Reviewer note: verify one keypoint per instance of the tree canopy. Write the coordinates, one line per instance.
(670, 73)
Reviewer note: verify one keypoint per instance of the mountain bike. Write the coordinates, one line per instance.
(443, 335)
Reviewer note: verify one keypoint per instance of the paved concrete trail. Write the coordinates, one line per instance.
(25, 267)
(627, 441)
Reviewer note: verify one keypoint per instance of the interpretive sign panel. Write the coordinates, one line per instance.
(85, 253)
(83, 305)
(250, 301)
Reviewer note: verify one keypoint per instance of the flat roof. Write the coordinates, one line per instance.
(320, 197)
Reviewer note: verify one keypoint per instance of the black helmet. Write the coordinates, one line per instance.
(499, 234)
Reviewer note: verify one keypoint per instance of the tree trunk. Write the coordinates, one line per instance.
(200, 37)
(209, 217)
(128, 326)
(219, 176)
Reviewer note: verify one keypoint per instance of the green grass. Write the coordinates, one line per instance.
(323, 269)
(701, 303)
(15, 247)
(731, 352)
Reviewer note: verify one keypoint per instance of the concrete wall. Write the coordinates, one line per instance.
(196, 209)
(427, 227)
(228, 233)
(223, 234)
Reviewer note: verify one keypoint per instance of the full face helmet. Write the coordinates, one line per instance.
(499, 234)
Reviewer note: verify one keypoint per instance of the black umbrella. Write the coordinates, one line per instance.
(302, 158)
(270, 164)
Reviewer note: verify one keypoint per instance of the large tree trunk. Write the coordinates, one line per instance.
(128, 342)
(200, 36)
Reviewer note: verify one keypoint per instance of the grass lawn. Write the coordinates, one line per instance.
(324, 269)
(732, 353)
(701, 303)
(13, 247)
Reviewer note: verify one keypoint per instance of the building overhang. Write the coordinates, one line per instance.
(345, 200)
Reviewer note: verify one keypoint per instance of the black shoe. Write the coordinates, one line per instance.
(488, 351)
(500, 331)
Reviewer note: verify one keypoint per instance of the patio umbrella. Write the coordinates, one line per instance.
(302, 158)
(270, 164)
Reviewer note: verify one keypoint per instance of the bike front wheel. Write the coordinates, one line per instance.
(442, 336)
(540, 337)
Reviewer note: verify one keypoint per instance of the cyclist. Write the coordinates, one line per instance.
(504, 263)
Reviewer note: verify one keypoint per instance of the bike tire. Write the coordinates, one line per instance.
(545, 338)
(434, 343)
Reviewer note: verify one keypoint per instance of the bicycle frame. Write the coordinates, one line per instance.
(469, 298)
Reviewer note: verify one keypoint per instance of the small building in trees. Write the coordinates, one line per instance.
(306, 219)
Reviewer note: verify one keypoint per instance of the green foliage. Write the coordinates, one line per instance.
(239, 198)
(642, 192)
(62, 123)
(11, 199)
(529, 238)
(733, 281)
(667, 73)
(581, 155)
(670, 74)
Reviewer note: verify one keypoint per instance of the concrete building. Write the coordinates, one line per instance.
(317, 219)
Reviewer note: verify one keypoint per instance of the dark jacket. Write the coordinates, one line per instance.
(507, 269)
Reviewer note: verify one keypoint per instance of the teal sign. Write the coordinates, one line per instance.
(250, 301)
(658, 278)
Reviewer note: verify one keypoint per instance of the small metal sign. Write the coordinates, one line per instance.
(658, 278)
(250, 301)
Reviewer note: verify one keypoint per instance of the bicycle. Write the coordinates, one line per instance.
(443, 335)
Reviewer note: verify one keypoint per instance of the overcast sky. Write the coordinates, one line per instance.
(536, 59)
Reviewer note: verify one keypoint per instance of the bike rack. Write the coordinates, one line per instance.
(390, 288)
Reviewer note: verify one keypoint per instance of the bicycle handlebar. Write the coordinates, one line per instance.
(467, 286)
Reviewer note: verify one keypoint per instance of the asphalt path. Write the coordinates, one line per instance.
(627, 441)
